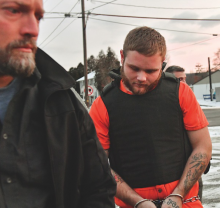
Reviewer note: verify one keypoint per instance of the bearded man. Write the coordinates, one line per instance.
(152, 128)
(50, 156)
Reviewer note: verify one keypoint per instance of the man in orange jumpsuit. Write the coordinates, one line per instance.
(143, 119)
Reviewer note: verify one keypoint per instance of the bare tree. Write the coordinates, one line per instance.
(216, 60)
(199, 68)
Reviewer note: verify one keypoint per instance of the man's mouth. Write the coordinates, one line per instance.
(25, 48)
(140, 85)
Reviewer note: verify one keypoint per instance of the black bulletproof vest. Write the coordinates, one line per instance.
(148, 142)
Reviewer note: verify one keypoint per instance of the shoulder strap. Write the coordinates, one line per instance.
(107, 88)
(170, 76)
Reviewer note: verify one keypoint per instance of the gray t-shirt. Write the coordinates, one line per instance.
(6, 95)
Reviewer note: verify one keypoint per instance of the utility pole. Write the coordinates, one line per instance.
(85, 53)
(210, 80)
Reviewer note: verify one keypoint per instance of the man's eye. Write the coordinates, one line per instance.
(13, 10)
(39, 17)
(134, 69)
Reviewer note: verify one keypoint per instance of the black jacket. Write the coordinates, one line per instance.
(79, 166)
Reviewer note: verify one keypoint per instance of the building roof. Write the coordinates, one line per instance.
(91, 75)
(194, 78)
(215, 78)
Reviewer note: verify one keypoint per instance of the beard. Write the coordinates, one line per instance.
(146, 88)
(17, 63)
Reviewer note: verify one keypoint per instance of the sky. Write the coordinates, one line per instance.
(188, 42)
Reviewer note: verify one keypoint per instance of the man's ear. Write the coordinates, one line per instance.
(122, 57)
(164, 65)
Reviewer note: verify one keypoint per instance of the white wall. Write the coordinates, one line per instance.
(201, 89)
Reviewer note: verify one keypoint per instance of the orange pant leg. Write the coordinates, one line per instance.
(161, 192)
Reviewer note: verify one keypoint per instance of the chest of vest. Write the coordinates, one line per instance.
(148, 142)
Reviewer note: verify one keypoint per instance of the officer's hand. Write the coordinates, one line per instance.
(172, 202)
(146, 204)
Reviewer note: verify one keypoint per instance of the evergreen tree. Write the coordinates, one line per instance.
(105, 63)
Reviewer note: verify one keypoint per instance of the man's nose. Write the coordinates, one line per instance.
(30, 26)
(141, 76)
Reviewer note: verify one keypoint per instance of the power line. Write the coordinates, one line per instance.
(160, 18)
(139, 17)
(56, 6)
(156, 7)
(55, 13)
(54, 17)
(58, 33)
(154, 27)
(57, 25)
(52, 31)
(73, 6)
(193, 44)
(100, 5)
(68, 15)
(169, 30)
(213, 34)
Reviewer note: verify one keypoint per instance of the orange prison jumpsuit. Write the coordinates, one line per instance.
(193, 118)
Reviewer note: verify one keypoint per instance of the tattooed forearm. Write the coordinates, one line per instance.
(117, 178)
(171, 203)
(198, 164)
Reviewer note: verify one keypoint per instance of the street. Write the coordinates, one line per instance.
(213, 116)
(211, 181)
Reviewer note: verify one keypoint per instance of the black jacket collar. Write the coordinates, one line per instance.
(51, 71)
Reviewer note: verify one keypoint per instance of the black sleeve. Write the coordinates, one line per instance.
(98, 186)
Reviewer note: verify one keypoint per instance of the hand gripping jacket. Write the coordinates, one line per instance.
(148, 142)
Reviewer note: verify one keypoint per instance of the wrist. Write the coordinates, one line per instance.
(175, 195)
(139, 202)
(179, 190)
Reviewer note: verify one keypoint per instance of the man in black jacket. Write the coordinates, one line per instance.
(49, 153)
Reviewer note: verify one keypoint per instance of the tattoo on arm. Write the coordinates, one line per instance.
(197, 167)
(117, 178)
(171, 203)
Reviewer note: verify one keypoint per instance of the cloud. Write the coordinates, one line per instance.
(187, 38)
(187, 26)
(209, 24)
(185, 15)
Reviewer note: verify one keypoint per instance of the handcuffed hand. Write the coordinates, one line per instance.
(172, 202)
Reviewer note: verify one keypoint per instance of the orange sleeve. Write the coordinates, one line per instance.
(193, 116)
(99, 115)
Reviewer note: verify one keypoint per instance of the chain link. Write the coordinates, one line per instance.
(159, 202)
(192, 199)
